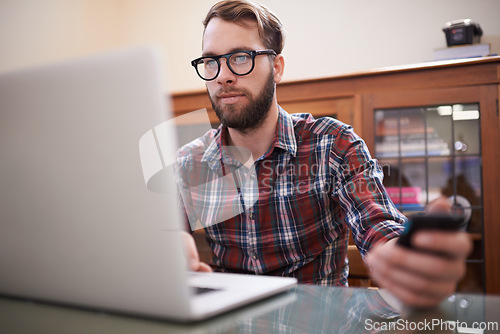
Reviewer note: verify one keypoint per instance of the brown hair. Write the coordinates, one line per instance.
(238, 11)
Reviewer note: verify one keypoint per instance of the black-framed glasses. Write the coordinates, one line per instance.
(239, 62)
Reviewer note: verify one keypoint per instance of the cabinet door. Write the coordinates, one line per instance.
(434, 143)
(342, 108)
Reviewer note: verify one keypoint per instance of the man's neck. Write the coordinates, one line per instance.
(257, 140)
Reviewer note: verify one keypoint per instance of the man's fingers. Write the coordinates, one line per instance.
(203, 267)
(193, 257)
(412, 289)
(427, 265)
(417, 278)
(454, 244)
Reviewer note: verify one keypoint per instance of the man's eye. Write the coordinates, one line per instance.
(240, 59)
(210, 63)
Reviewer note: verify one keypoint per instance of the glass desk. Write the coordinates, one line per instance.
(305, 309)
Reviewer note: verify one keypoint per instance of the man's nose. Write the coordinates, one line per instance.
(225, 76)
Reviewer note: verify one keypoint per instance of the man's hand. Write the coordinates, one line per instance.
(417, 277)
(193, 258)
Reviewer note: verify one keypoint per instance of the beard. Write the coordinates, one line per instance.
(247, 118)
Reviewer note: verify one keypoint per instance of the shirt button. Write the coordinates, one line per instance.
(254, 256)
(252, 215)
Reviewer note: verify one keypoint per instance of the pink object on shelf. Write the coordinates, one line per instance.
(408, 195)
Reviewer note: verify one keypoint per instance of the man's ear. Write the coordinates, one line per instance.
(279, 68)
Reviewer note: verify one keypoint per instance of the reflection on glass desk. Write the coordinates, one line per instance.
(305, 309)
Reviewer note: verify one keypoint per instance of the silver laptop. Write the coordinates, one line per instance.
(78, 224)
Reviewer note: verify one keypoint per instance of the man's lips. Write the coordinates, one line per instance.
(230, 98)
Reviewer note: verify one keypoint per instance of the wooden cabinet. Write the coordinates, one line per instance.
(359, 98)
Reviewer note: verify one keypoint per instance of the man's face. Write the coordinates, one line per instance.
(240, 102)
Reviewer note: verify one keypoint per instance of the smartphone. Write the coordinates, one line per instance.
(429, 221)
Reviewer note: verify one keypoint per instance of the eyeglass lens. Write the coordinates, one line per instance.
(240, 63)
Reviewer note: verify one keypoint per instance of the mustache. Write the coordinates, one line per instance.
(226, 91)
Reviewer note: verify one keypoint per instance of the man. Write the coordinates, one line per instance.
(286, 207)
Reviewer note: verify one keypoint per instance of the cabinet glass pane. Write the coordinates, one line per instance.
(412, 132)
(400, 133)
(466, 129)
(467, 194)
(415, 176)
(476, 221)
(405, 182)
(392, 179)
(391, 172)
(386, 133)
(475, 227)
(431, 152)
(473, 280)
(439, 177)
(439, 130)
(468, 179)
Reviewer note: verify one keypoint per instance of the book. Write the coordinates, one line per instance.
(411, 148)
(405, 195)
(413, 141)
(462, 51)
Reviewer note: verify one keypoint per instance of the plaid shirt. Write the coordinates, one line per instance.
(289, 213)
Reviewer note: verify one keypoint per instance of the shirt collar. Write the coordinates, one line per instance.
(285, 133)
(284, 139)
(212, 155)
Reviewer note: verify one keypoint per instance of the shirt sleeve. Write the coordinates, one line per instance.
(365, 205)
(184, 195)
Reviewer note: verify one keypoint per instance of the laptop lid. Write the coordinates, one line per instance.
(77, 222)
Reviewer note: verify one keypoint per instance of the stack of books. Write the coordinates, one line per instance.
(462, 51)
(412, 139)
(406, 198)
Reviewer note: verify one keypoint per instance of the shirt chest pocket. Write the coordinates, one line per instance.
(302, 198)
